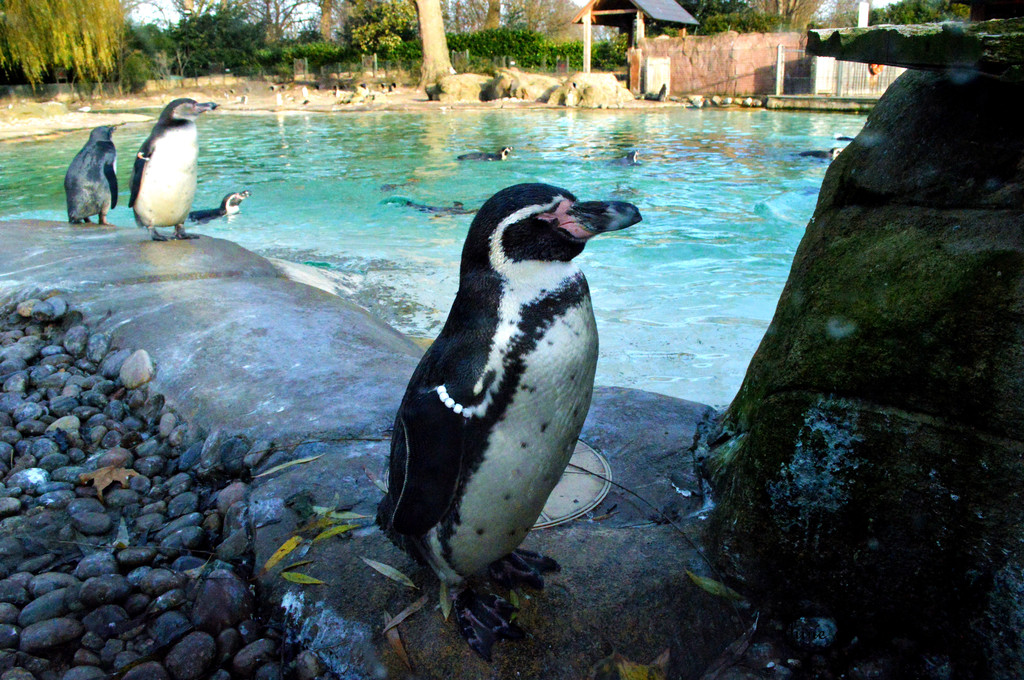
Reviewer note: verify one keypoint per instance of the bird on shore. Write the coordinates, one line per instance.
(484, 156)
(90, 184)
(164, 177)
(491, 415)
(229, 205)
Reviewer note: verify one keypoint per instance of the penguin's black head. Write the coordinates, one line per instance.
(505, 151)
(539, 223)
(235, 199)
(101, 134)
(185, 110)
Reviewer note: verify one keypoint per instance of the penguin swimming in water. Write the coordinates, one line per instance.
(829, 155)
(629, 159)
(229, 205)
(164, 176)
(90, 183)
(490, 417)
(456, 208)
(482, 156)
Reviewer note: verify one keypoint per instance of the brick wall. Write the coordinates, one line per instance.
(728, 63)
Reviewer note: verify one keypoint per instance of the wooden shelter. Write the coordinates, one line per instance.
(627, 15)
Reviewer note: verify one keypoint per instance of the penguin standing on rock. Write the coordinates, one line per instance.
(90, 184)
(164, 177)
(491, 415)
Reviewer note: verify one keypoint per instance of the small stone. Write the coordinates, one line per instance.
(222, 601)
(104, 620)
(26, 307)
(137, 370)
(168, 626)
(80, 505)
(136, 556)
(84, 673)
(105, 589)
(75, 340)
(14, 593)
(308, 666)
(189, 520)
(49, 582)
(187, 538)
(268, 671)
(190, 658)
(230, 495)
(159, 581)
(97, 346)
(8, 613)
(168, 422)
(149, 522)
(45, 607)
(813, 633)
(85, 657)
(9, 506)
(252, 656)
(172, 599)
(115, 457)
(229, 641)
(191, 456)
(234, 546)
(182, 504)
(17, 673)
(137, 603)
(47, 634)
(92, 523)
(110, 368)
(149, 466)
(96, 564)
(29, 479)
(9, 636)
(150, 670)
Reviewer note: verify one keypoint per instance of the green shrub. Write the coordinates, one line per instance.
(741, 22)
(136, 69)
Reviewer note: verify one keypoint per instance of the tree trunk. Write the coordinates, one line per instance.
(493, 19)
(326, 19)
(436, 62)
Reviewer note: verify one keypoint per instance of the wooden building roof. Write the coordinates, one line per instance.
(620, 13)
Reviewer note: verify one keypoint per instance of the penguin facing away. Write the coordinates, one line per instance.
(630, 158)
(164, 177)
(492, 412)
(229, 205)
(90, 183)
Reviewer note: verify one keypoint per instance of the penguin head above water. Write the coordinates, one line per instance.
(539, 223)
(184, 110)
(231, 202)
(505, 152)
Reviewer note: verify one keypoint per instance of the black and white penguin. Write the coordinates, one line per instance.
(829, 155)
(456, 208)
(483, 156)
(90, 183)
(491, 415)
(629, 159)
(229, 205)
(164, 176)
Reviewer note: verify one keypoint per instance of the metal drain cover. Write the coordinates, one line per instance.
(583, 486)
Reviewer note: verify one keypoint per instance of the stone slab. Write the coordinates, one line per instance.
(622, 586)
(993, 47)
(235, 344)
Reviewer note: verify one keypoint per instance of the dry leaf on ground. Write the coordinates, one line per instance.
(304, 579)
(714, 587)
(389, 571)
(282, 466)
(105, 476)
(394, 639)
(618, 667)
(282, 552)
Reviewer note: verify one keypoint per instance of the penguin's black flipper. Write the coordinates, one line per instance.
(141, 158)
(483, 620)
(426, 456)
(110, 174)
(522, 567)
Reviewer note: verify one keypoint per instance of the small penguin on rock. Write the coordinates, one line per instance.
(483, 156)
(90, 183)
(229, 205)
(164, 177)
(491, 415)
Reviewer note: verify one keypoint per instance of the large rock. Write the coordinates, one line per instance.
(462, 87)
(622, 585)
(591, 91)
(872, 459)
(516, 84)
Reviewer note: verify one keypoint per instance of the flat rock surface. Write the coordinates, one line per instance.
(993, 47)
(235, 344)
(623, 585)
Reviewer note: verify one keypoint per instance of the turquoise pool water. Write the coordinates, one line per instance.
(682, 299)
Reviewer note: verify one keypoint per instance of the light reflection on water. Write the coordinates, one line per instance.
(682, 298)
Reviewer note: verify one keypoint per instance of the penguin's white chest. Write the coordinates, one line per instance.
(168, 183)
(528, 449)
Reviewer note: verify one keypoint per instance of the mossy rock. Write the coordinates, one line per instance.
(873, 459)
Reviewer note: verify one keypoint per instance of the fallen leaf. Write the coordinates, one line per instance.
(105, 476)
(123, 539)
(282, 466)
(282, 552)
(389, 571)
(325, 511)
(304, 579)
(446, 601)
(318, 524)
(334, 531)
(618, 667)
(714, 587)
(395, 641)
(296, 565)
(406, 613)
(376, 482)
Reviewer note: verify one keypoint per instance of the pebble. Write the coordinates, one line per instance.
(47, 634)
(29, 479)
(183, 504)
(9, 506)
(252, 656)
(104, 620)
(150, 670)
(84, 673)
(137, 369)
(130, 558)
(45, 607)
(190, 658)
(9, 636)
(222, 601)
(111, 365)
(8, 613)
(230, 495)
(92, 523)
(104, 589)
(96, 564)
(49, 581)
(159, 581)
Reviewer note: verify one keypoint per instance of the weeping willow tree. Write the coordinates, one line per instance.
(79, 35)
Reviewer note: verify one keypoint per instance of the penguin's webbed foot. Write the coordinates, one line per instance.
(156, 235)
(179, 233)
(484, 620)
(522, 567)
